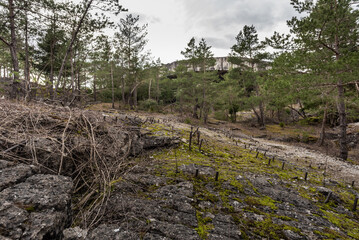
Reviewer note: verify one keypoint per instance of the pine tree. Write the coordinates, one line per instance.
(132, 40)
(190, 54)
(50, 48)
(249, 54)
(324, 52)
(199, 57)
(205, 59)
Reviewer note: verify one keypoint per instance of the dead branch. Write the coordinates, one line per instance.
(63, 142)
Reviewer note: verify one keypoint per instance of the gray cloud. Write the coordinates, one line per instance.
(225, 42)
(214, 15)
(173, 23)
(145, 18)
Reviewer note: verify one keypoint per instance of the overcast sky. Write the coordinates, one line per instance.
(172, 23)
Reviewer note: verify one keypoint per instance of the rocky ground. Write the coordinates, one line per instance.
(32, 205)
(224, 186)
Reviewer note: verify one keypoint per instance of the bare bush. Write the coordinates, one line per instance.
(88, 146)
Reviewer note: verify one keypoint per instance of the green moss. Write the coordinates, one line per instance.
(261, 201)
(153, 188)
(267, 229)
(253, 209)
(330, 234)
(30, 208)
(225, 200)
(238, 218)
(288, 174)
(207, 196)
(251, 185)
(310, 121)
(237, 185)
(270, 182)
(347, 225)
(112, 183)
(306, 193)
(202, 193)
(204, 225)
(346, 196)
(291, 228)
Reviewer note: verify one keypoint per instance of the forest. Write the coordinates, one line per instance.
(74, 54)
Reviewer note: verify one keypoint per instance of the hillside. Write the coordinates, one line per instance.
(230, 187)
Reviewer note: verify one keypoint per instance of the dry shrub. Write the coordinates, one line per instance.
(88, 146)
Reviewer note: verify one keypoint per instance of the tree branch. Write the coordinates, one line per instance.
(4, 41)
(329, 85)
(299, 113)
(323, 43)
(328, 47)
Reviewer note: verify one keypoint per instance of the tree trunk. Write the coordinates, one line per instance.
(357, 87)
(203, 102)
(135, 98)
(341, 109)
(94, 89)
(180, 104)
(234, 115)
(195, 108)
(123, 90)
(322, 131)
(132, 100)
(303, 114)
(278, 115)
(113, 87)
(204, 91)
(72, 73)
(64, 83)
(149, 89)
(157, 87)
(343, 122)
(52, 60)
(78, 86)
(205, 113)
(123, 85)
(258, 115)
(27, 63)
(13, 51)
(261, 112)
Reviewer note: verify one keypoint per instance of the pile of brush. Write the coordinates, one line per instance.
(91, 147)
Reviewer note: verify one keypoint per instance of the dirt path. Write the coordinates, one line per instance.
(336, 168)
(333, 167)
